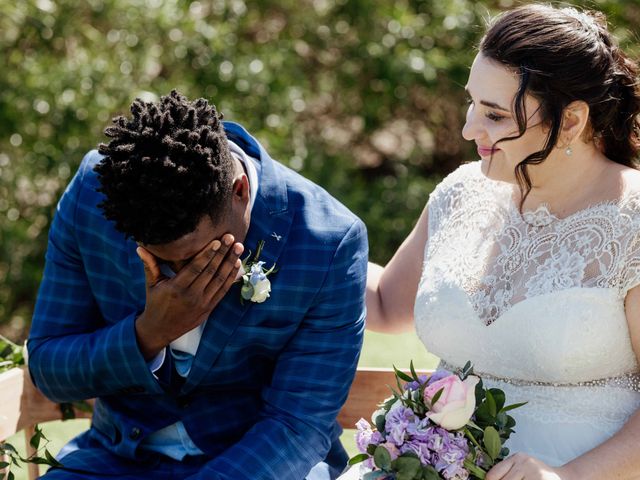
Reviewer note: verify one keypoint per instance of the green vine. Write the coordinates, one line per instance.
(12, 356)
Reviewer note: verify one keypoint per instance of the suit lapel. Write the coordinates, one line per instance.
(270, 222)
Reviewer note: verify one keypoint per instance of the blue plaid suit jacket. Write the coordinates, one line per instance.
(268, 379)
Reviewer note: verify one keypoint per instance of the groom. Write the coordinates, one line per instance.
(203, 368)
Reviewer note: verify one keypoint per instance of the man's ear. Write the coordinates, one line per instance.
(241, 188)
(575, 120)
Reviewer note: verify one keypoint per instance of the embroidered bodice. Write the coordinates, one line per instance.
(536, 302)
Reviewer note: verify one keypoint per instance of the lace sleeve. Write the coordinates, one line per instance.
(630, 272)
(631, 267)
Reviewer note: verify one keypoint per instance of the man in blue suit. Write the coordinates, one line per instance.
(203, 366)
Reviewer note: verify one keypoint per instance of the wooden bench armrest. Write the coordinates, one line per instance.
(369, 388)
(22, 405)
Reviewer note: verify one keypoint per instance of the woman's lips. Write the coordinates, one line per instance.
(487, 151)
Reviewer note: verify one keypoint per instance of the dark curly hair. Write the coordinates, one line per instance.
(165, 168)
(562, 55)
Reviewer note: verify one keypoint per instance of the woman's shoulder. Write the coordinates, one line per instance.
(458, 192)
(630, 199)
(462, 179)
(466, 172)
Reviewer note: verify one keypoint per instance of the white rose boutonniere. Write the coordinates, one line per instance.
(256, 287)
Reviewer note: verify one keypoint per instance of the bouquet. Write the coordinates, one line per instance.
(442, 427)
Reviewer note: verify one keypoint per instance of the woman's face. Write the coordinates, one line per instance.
(492, 88)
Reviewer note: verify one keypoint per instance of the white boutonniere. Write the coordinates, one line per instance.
(256, 287)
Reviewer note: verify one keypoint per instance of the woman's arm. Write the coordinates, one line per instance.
(617, 458)
(391, 291)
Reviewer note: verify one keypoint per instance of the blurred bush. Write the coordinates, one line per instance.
(362, 96)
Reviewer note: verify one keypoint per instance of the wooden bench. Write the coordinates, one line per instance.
(22, 405)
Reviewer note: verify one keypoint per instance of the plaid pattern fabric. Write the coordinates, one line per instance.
(268, 379)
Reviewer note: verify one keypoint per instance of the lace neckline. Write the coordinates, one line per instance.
(542, 216)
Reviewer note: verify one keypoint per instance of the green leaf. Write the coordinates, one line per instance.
(472, 424)
(51, 459)
(382, 458)
(437, 396)
(413, 371)
(501, 420)
(513, 406)
(246, 291)
(4, 465)
(35, 440)
(483, 417)
(258, 251)
(498, 397)
(358, 458)
(380, 422)
(492, 442)
(474, 469)
(401, 375)
(479, 392)
(466, 371)
(374, 475)
(430, 473)
(491, 404)
(407, 467)
(11, 476)
(9, 448)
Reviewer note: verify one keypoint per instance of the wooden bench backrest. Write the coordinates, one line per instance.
(22, 405)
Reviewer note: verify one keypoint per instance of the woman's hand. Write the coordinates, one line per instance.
(523, 467)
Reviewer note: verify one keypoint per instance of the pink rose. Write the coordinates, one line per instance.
(456, 404)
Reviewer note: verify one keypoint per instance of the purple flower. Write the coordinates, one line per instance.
(449, 451)
(455, 471)
(397, 422)
(421, 430)
(415, 385)
(366, 436)
(438, 375)
(419, 448)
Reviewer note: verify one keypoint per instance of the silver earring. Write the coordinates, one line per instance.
(568, 151)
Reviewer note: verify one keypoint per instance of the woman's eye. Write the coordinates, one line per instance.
(494, 117)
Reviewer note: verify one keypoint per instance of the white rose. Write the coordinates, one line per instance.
(261, 290)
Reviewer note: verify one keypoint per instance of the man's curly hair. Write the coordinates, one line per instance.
(165, 168)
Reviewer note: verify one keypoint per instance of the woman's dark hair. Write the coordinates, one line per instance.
(165, 168)
(562, 55)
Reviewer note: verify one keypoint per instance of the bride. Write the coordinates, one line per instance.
(527, 262)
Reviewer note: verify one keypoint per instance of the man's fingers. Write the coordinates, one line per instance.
(151, 269)
(192, 271)
(216, 273)
(226, 273)
(202, 270)
(218, 289)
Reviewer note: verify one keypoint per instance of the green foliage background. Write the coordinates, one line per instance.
(362, 96)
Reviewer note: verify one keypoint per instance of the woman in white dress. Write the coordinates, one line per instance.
(527, 262)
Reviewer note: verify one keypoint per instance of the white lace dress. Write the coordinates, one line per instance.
(537, 304)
